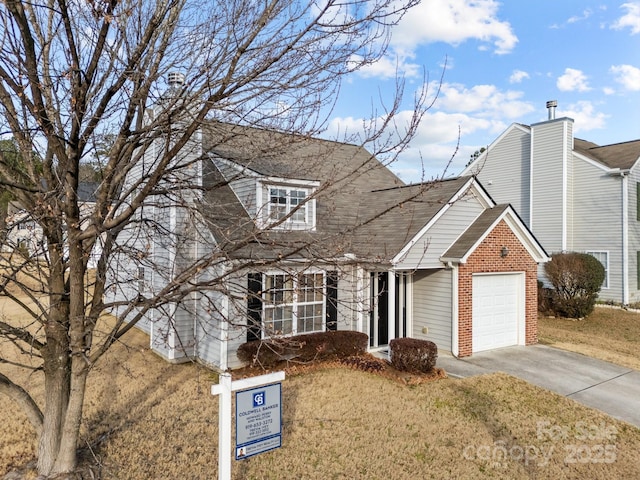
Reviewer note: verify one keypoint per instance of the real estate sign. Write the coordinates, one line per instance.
(258, 420)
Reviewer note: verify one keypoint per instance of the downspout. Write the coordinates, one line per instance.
(173, 308)
(531, 152)
(224, 334)
(454, 310)
(360, 295)
(196, 303)
(625, 237)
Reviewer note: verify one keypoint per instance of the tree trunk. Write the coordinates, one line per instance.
(56, 401)
(67, 459)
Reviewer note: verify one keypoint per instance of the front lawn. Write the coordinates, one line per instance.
(147, 419)
(610, 334)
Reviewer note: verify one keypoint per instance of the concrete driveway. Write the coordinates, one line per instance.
(610, 388)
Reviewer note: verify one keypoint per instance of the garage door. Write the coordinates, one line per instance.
(497, 302)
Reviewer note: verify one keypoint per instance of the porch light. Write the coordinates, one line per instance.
(504, 252)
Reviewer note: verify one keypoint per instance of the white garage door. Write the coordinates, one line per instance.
(497, 310)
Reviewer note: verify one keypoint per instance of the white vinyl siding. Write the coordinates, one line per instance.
(550, 174)
(426, 252)
(432, 306)
(505, 173)
(241, 182)
(634, 236)
(597, 223)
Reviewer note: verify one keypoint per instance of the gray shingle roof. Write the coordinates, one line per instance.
(362, 207)
(618, 155)
(406, 211)
(468, 239)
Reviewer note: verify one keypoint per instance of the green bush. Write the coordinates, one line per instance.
(576, 279)
(304, 348)
(413, 355)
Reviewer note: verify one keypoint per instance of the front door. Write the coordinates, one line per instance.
(379, 313)
(389, 313)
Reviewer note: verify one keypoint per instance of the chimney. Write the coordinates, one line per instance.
(175, 80)
(551, 107)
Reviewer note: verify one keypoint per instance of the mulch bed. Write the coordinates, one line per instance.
(366, 363)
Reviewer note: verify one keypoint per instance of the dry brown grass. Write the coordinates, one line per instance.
(609, 334)
(147, 419)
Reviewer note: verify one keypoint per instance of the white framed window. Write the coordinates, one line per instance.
(291, 202)
(293, 303)
(285, 204)
(603, 258)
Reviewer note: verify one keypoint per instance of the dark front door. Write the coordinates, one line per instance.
(379, 315)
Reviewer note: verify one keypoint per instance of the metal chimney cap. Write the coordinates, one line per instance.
(175, 79)
(551, 107)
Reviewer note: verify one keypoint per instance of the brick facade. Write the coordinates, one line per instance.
(486, 259)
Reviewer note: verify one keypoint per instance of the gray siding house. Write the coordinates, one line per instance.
(574, 195)
(311, 235)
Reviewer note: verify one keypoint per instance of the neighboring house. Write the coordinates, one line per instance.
(24, 234)
(318, 235)
(573, 194)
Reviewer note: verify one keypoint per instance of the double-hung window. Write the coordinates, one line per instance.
(293, 304)
(288, 204)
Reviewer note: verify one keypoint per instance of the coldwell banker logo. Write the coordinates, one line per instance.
(258, 399)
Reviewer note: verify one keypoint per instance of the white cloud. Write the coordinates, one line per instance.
(577, 18)
(517, 76)
(631, 19)
(454, 22)
(585, 116)
(608, 91)
(459, 118)
(387, 68)
(484, 100)
(573, 80)
(627, 75)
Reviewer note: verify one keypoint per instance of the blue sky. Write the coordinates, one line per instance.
(504, 61)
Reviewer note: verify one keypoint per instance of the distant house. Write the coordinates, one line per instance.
(25, 235)
(328, 238)
(574, 195)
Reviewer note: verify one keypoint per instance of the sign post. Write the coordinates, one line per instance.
(257, 429)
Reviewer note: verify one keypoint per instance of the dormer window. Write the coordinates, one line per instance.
(285, 202)
(287, 205)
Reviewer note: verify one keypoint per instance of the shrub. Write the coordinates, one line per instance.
(304, 348)
(545, 298)
(413, 355)
(576, 279)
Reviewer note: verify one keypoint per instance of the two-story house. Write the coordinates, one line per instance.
(574, 195)
(312, 235)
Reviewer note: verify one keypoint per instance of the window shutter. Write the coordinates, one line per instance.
(332, 300)
(254, 306)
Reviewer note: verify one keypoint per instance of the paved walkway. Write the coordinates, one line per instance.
(610, 388)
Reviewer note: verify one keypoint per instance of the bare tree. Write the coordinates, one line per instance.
(73, 74)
